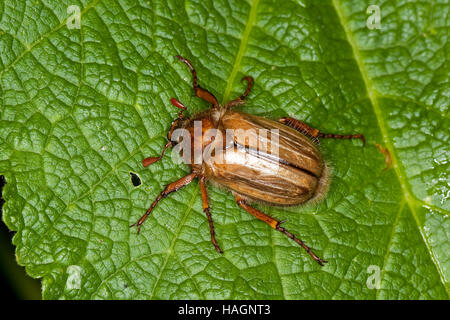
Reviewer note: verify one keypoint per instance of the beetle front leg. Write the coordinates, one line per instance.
(240, 100)
(206, 209)
(172, 187)
(302, 127)
(199, 91)
(275, 224)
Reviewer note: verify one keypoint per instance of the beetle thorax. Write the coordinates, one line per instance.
(201, 129)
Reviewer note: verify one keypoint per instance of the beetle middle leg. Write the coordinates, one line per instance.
(206, 209)
(275, 224)
(240, 100)
(315, 133)
(171, 187)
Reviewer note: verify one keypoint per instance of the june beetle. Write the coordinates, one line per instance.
(296, 173)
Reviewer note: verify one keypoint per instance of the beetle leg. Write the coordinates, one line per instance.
(199, 91)
(240, 100)
(206, 209)
(150, 160)
(172, 187)
(343, 136)
(315, 133)
(276, 225)
(301, 127)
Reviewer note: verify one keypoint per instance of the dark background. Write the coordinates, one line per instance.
(14, 282)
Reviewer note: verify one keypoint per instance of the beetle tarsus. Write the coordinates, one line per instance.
(343, 136)
(217, 248)
(206, 209)
(171, 187)
(302, 244)
(322, 262)
(136, 225)
(250, 82)
(212, 232)
(240, 100)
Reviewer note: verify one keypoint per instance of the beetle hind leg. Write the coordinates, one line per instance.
(343, 136)
(315, 134)
(275, 224)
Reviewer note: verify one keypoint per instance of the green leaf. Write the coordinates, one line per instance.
(80, 109)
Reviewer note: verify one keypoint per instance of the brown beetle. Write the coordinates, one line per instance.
(300, 174)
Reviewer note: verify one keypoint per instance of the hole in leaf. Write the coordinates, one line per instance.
(135, 180)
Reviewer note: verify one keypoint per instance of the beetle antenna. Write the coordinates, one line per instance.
(150, 160)
(179, 105)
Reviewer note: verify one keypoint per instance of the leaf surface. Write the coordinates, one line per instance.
(80, 109)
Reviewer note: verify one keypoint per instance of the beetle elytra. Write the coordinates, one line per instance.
(296, 174)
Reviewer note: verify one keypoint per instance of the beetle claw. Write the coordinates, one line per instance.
(322, 262)
(363, 140)
(136, 225)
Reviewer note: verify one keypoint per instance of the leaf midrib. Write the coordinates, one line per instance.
(241, 51)
(372, 94)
